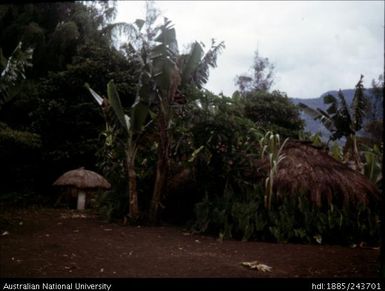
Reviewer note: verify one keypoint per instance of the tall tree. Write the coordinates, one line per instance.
(260, 78)
(55, 30)
(72, 43)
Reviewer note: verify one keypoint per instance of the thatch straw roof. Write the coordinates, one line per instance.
(82, 179)
(309, 169)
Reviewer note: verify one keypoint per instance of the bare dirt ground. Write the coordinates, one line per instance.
(63, 243)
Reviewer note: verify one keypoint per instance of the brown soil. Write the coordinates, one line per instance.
(64, 243)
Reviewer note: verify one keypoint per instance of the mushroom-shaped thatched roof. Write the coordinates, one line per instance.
(309, 169)
(82, 179)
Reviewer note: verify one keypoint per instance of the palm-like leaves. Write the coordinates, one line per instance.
(319, 114)
(341, 121)
(338, 118)
(167, 37)
(139, 110)
(96, 96)
(272, 148)
(163, 68)
(209, 60)
(132, 125)
(360, 104)
(195, 65)
(12, 70)
(162, 71)
(189, 62)
(116, 105)
(343, 118)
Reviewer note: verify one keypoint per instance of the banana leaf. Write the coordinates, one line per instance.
(116, 105)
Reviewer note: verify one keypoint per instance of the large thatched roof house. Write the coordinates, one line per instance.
(309, 169)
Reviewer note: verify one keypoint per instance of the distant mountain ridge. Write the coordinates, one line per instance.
(315, 126)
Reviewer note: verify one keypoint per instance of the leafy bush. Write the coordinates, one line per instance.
(290, 219)
(19, 156)
(113, 203)
(274, 112)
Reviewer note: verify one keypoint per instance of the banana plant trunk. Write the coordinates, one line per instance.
(356, 154)
(351, 152)
(133, 207)
(161, 166)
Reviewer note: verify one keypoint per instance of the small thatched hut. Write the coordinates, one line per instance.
(309, 169)
(81, 182)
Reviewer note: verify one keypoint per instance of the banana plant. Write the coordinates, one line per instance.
(160, 79)
(342, 121)
(165, 73)
(133, 125)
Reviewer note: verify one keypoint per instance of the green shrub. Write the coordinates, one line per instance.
(290, 219)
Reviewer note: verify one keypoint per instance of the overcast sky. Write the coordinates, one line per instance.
(315, 46)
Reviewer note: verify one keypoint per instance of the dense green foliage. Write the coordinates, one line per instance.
(292, 219)
(187, 154)
(71, 44)
(273, 111)
(20, 152)
(12, 71)
(233, 203)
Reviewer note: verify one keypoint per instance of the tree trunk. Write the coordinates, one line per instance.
(160, 182)
(132, 192)
(161, 167)
(356, 155)
(351, 153)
